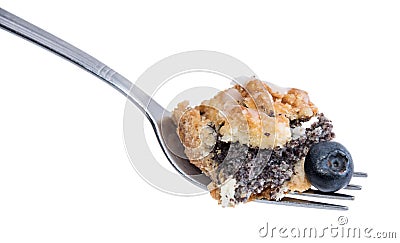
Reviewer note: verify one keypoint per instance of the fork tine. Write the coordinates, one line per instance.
(353, 187)
(319, 194)
(289, 201)
(360, 174)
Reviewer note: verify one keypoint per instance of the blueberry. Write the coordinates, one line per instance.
(328, 166)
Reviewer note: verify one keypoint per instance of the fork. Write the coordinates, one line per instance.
(159, 117)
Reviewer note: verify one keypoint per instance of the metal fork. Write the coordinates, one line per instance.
(291, 201)
(157, 115)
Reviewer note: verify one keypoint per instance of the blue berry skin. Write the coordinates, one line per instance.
(329, 166)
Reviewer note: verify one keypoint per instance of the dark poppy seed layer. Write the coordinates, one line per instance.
(239, 160)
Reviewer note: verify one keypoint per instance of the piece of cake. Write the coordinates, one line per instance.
(252, 140)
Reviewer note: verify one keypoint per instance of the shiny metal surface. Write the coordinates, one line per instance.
(288, 201)
(319, 194)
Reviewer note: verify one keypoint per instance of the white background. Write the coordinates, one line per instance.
(64, 172)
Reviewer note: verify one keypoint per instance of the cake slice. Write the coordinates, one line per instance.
(252, 140)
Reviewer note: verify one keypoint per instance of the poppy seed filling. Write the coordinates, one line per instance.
(238, 160)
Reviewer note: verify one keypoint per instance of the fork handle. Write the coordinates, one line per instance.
(28, 31)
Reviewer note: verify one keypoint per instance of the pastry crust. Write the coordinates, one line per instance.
(298, 181)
